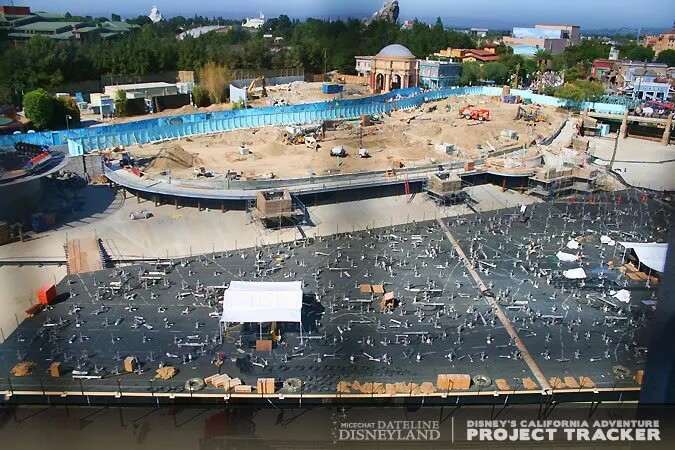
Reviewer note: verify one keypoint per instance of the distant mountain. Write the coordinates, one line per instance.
(624, 30)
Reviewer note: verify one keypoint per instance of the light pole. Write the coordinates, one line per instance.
(68, 117)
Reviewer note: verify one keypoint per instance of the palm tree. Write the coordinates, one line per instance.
(543, 56)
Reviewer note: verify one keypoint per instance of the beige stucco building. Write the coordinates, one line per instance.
(395, 67)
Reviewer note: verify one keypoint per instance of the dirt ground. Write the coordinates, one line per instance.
(399, 137)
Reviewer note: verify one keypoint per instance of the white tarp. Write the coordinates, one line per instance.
(623, 296)
(567, 257)
(575, 274)
(607, 240)
(650, 254)
(573, 245)
(253, 301)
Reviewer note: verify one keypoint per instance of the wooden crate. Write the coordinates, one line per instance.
(263, 345)
(378, 289)
(129, 364)
(449, 381)
(55, 369)
(266, 385)
(365, 289)
(243, 389)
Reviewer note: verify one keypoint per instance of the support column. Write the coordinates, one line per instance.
(175, 202)
(665, 140)
(138, 198)
(623, 130)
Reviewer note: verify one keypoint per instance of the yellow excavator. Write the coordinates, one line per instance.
(254, 83)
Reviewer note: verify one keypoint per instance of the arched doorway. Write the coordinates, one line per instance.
(379, 82)
(395, 82)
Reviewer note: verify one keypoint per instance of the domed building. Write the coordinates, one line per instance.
(395, 67)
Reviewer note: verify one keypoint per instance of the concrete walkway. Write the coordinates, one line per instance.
(640, 162)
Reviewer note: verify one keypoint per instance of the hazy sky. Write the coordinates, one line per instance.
(492, 13)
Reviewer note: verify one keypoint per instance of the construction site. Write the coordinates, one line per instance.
(489, 259)
(544, 299)
(438, 133)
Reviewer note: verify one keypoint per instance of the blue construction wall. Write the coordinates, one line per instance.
(84, 140)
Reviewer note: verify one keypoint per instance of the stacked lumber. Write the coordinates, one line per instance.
(343, 387)
(347, 387)
(166, 372)
(502, 384)
(22, 369)
(449, 381)
(529, 383)
(223, 381)
(571, 382)
(586, 382)
(556, 383)
(266, 385)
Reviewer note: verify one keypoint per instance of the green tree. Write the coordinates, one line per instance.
(542, 56)
(67, 114)
(115, 18)
(495, 71)
(121, 104)
(200, 97)
(636, 52)
(580, 90)
(666, 57)
(40, 108)
(471, 73)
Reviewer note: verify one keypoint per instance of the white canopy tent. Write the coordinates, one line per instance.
(260, 301)
(650, 254)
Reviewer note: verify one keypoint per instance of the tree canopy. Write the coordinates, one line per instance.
(580, 90)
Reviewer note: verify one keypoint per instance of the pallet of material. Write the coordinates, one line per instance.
(55, 369)
(586, 382)
(633, 276)
(263, 345)
(243, 389)
(266, 385)
(556, 383)
(343, 387)
(378, 289)
(502, 384)
(220, 380)
(529, 383)
(22, 369)
(638, 376)
(230, 384)
(365, 288)
(446, 381)
(571, 383)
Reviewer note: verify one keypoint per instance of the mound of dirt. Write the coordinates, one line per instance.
(174, 157)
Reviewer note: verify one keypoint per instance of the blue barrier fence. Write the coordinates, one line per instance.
(84, 140)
